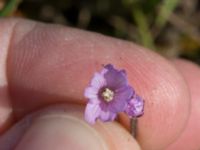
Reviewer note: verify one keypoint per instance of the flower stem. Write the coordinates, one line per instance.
(134, 127)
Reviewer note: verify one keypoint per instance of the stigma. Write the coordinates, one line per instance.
(107, 95)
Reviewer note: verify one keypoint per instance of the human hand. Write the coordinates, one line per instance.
(44, 70)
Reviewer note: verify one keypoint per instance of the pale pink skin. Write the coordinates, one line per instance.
(191, 134)
(46, 65)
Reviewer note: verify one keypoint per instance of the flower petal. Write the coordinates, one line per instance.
(125, 92)
(114, 78)
(103, 71)
(109, 67)
(92, 112)
(91, 93)
(122, 96)
(98, 81)
(107, 116)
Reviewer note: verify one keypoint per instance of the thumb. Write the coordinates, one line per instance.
(61, 127)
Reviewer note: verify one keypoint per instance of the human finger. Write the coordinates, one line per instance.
(62, 127)
(50, 64)
(190, 137)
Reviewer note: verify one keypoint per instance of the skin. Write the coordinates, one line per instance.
(44, 70)
(191, 134)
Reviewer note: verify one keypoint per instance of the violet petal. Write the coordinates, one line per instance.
(107, 116)
(92, 112)
(122, 96)
(115, 78)
(98, 81)
(106, 113)
(91, 93)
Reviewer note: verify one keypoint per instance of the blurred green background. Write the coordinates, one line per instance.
(170, 27)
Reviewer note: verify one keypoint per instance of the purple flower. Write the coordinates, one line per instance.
(135, 107)
(107, 94)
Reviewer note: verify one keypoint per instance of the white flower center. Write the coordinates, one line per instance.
(107, 95)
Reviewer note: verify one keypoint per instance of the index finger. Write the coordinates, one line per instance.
(52, 64)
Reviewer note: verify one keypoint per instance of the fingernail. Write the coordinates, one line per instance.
(56, 131)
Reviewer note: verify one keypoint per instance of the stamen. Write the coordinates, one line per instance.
(107, 95)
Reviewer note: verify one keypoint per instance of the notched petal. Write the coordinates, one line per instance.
(115, 78)
(109, 67)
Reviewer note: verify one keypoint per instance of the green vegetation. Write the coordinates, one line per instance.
(170, 27)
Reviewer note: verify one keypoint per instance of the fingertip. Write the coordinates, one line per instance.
(166, 95)
(189, 138)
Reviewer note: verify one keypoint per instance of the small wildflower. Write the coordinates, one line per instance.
(135, 107)
(108, 94)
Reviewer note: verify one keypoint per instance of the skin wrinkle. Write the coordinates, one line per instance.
(70, 64)
(21, 34)
(26, 58)
(5, 38)
(6, 110)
